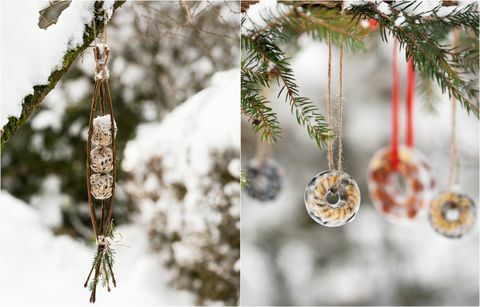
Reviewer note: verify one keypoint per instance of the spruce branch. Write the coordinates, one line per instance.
(451, 68)
(256, 107)
(266, 61)
(265, 56)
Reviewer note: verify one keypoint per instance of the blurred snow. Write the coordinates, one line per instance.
(184, 178)
(289, 259)
(186, 148)
(42, 50)
(55, 274)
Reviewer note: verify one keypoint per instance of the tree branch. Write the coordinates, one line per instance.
(33, 102)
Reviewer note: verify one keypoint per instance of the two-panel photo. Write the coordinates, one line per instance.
(239, 153)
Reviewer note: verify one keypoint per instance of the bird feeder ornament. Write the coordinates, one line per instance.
(452, 213)
(264, 176)
(264, 179)
(332, 198)
(101, 169)
(399, 177)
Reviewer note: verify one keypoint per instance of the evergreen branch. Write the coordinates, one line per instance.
(255, 106)
(267, 57)
(449, 67)
(265, 60)
(318, 22)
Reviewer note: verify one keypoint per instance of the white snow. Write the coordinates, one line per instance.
(51, 269)
(445, 11)
(400, 20)
(347, 4)
(258, 14)
(423, 8)
(104, 122)
(30, 54)
(49, 201)
(384, 8)
(186, 149)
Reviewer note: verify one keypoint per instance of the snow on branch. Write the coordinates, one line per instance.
(34, 59)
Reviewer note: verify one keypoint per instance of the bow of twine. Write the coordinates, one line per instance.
(108, 241)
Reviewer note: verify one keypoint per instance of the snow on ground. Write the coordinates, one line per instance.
(40, 269)
(42, 50)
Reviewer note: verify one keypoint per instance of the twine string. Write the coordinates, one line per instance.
(454, 158)
(340, 112)
(101, 56)
(329, 105)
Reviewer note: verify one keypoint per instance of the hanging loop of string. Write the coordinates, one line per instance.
(340, 112)
(329, 105)
(101, 52)
(454, 159)
(339, 119)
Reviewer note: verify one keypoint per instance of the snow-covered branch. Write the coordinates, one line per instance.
(37, 59)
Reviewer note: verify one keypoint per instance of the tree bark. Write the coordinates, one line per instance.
(33, 102)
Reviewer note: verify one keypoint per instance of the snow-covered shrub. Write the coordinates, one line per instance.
(185, 178)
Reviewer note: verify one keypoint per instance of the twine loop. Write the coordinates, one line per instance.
(340, 110)
(454, 158)
(101, 52)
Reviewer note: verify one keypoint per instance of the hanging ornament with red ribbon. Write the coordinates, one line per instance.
(399, 178)
(452, 213)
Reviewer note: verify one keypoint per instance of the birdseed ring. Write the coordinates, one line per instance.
(264, 180)
(332, 198)
(452, 214)
(400, 194)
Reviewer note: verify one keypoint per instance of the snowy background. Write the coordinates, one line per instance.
(176, 98)
(288, 259)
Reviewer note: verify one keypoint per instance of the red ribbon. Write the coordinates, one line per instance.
(395, 105)
(395, 102)
(410, 97)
